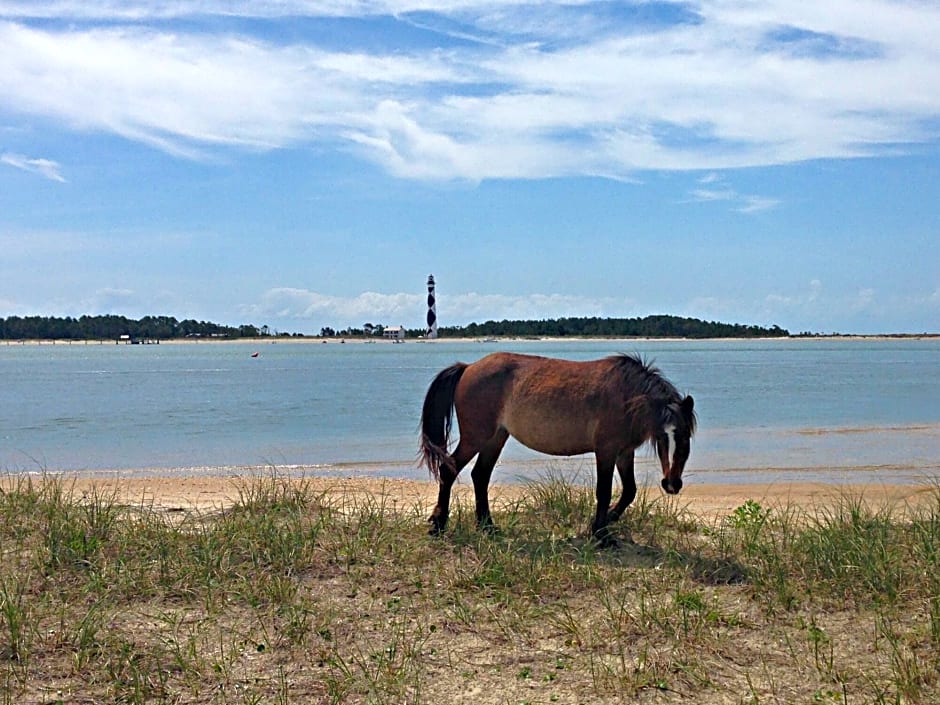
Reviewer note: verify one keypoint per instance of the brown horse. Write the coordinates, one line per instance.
(609, 407)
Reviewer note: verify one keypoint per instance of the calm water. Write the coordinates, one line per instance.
(812, 409)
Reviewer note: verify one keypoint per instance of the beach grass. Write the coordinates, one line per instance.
(297, 596)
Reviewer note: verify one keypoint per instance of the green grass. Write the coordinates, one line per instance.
(295, 596)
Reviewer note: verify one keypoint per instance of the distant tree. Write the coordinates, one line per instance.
(113, 327)
(166, 327)
(649, 326)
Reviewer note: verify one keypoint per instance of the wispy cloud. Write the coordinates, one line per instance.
(755, 204)
(300, 305)
(714, 188)
(44, 167)
(296, 309)
(494, 89)
(725, 194)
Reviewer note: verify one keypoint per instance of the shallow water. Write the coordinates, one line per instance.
(769, 410)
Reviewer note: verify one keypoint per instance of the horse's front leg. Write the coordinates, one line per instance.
(628, 485)
(605, 481)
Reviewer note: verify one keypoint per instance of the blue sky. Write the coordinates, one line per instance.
(303, 164)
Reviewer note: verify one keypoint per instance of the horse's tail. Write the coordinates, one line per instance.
(437, 418)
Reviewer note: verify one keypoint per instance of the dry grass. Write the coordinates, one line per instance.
(292, 595)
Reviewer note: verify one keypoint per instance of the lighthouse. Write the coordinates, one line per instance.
(432, 310)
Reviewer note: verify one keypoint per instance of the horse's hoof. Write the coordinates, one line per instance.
(437, 526)
(490, 528)
(606, 541)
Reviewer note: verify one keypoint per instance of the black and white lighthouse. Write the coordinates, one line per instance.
(432, 310)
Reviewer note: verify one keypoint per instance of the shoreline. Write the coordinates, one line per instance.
(217, 492)
(312, 340)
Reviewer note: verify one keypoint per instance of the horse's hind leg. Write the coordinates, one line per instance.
(448, 475)
(481, 473)
(628, 486)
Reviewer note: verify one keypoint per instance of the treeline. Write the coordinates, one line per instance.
(169, 328)
(113, 327)
(646, 327)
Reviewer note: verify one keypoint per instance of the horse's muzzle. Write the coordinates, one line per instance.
(672, 486)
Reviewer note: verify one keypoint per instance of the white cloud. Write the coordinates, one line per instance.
(864, 299)
(106, 300)
(718, 190)
(549, 89)
(701, 194)
(292, 303)
(299, 305)
(815, 288)
(44, 167)
(9, 307)
(812, 294)
(755, 204)
(815, 310)
(111, 299)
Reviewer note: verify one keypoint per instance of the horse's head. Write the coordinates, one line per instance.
(674, 441)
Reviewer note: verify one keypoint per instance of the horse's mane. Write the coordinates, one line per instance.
(643, 379)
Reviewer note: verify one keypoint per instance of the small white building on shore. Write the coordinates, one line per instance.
(394, 333)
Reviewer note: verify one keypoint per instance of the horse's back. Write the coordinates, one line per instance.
(550, 405)
(486, 383)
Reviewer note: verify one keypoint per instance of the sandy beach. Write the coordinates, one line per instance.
(206, 493)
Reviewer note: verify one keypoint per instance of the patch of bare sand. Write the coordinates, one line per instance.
(213, 492)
